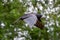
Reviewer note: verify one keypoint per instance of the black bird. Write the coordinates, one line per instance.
(32, 19)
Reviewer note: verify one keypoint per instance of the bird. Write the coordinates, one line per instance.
(32, 19)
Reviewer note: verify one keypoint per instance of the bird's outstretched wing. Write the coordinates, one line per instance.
(31, 20)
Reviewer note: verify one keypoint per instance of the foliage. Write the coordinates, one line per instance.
(12, 10)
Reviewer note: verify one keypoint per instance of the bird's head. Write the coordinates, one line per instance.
(39, 15)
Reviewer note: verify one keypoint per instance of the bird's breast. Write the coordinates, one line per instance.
(39, 24)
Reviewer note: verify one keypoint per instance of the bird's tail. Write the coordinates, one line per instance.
(16, 21)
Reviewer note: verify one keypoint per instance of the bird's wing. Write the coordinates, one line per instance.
(25, 16)
(31, 20)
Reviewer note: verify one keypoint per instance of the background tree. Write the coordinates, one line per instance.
(10, 10)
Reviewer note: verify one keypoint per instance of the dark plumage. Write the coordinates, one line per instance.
(39, 24)
(39, 16)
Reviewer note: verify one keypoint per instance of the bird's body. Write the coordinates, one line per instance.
(33, 19)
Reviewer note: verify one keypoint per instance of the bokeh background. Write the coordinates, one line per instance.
(11, 10)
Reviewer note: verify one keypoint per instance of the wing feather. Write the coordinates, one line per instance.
(31, 20)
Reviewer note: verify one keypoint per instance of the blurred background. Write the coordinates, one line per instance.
(11, 10)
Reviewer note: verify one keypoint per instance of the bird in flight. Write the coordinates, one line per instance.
(32, 19)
